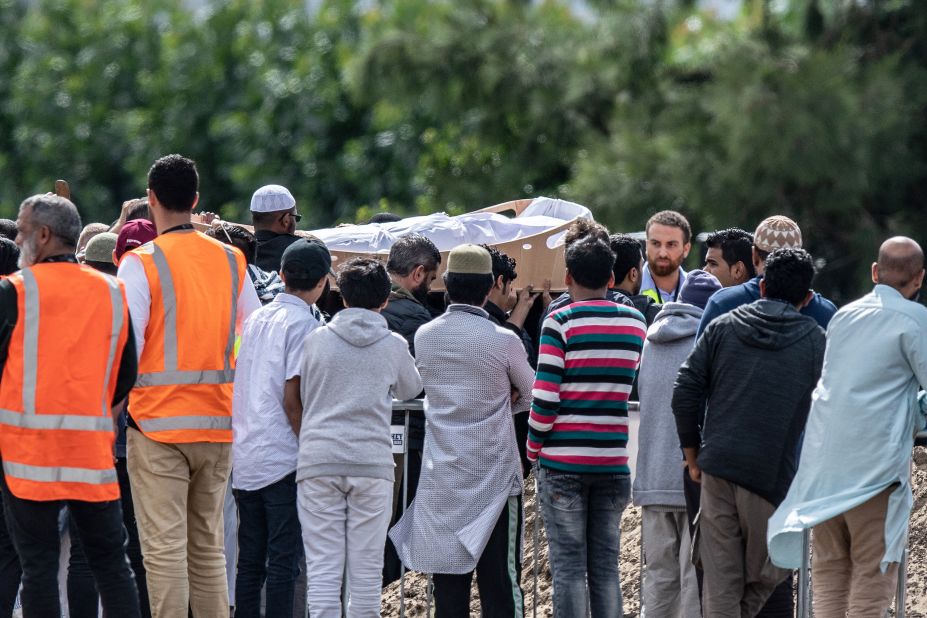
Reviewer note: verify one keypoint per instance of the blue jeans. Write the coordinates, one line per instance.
(582, 518)
(269, 547)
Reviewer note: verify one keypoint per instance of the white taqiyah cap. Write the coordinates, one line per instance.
(272, 198)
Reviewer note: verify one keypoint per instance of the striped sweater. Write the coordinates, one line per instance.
(590, 351)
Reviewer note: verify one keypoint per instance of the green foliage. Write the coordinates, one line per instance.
(811, 108)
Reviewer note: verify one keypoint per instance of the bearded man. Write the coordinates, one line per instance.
(668, 245)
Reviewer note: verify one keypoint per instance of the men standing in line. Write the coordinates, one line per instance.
(266, 413)
(274, 216)
(467, 514)
(853, 482)
(670, 589)
(68, 359)
(730, 256)
(188, 295)
(776, 232)
(589, 355)
(668, 242)
(755, 367)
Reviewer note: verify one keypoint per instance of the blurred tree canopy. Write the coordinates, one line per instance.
(810, 108)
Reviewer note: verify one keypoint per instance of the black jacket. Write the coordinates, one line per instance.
(756, 366)
(270, 248)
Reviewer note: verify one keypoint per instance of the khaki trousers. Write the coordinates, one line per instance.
(739, 576)
(179, 491)
(847, 551)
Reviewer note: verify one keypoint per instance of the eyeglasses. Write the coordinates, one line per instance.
(296, 216)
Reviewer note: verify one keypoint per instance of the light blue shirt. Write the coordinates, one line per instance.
(864, 414)
(649, 286)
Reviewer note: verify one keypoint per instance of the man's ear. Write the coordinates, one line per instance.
(685, 250)
(568, 279)
(196, 201)
(875, 272)
(499, 284)
(738, 270)
(611, 280)
(762, 288)
(418, 274)
(807, 300)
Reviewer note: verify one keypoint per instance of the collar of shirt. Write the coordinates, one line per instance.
(647, 283)
(265, 235)
(467, 309)
(496, 312)
(178, 228)
(290, 299)
(69, 258)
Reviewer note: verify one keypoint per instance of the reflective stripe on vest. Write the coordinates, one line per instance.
(59, 474)
(170, 375)
(186, 422)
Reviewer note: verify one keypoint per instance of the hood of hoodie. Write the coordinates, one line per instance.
(770, 324)
(359, 327)
(675, 321)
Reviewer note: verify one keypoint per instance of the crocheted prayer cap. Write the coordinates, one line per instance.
(469, 260)
(777, 232)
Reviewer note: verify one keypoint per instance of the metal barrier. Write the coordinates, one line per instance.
(405, 407)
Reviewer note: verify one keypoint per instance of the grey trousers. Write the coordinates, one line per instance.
(739, 576)
(670, 589)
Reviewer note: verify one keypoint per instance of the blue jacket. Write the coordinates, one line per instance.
(728, 299)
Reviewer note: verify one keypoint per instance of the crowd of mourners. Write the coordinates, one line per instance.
(209, 417)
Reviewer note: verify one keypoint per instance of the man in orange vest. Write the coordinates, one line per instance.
(67, 360)
(188, 295)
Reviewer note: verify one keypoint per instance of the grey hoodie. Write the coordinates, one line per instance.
(670, 338)
(352, 369)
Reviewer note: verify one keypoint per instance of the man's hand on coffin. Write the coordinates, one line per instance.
(546, 298)
(523, 305)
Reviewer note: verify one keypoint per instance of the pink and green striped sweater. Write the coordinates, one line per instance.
(589, 355)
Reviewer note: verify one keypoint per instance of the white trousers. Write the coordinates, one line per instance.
(670, 589)
(344, 522)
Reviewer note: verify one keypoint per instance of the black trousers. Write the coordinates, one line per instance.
(498, 574)
(83, 598)
(10, 571)
(33, 526)
(780, 603)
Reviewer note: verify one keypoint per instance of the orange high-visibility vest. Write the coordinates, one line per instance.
(187, 367)
(56, 424)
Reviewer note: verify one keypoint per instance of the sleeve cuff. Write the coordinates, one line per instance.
(690, 440)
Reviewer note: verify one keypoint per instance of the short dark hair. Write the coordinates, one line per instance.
(296, 279)
(760, 254)
(138, 209)
(590, 262)
(9, 256)
(468, 288)
(628, 255)
(502, 265)
(384, 217)
(581, 228)
(261, 219)
(736, 246)
(236, 236)
(364, 283)
(788, 275)
(410, 251)
(671, 218)
(174, 181)
(8, 229)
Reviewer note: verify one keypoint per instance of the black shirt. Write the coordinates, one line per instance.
(270, 248)
(9, 315)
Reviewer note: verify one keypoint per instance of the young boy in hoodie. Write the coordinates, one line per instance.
(670, 588)
(756, 367)
(351, 368)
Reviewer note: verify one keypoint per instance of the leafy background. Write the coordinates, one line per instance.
(810, 108)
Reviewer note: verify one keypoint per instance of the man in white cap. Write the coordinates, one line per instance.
(274, 216)
(775, 232)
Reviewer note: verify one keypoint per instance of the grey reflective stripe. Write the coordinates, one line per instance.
(186, 422)
(168, 378)
(171, 376)
(54, 474)
(116, 301)
(169, 299)
(230, 345)
(56, 421)
(30, 340)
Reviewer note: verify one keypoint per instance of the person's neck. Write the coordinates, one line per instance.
(270, 229)
(666, 283)
(167, 219)
(579, 293)
(308, 297)
(53, 252)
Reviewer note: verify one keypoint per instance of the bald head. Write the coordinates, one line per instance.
(900, 264)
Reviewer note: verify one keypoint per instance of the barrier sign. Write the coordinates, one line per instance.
(397, 434)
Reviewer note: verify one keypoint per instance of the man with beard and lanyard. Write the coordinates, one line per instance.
(412, 266)
(668, 242)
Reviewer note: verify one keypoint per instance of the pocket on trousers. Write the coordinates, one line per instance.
(562, 490)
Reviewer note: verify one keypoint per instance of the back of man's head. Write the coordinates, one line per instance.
(581, 228)
(900, 264)
(234, 235)
(175, 182)
(469, 275)
(9, 256)
(628, 255)
(304, 264)
(384, 217)
(589, 262)
(364, 283)
(502, 265)
(56, 213)
(411, 251)
(788, 275)
(8, 229)
(138, 209)
(88, 233)
(736, 245)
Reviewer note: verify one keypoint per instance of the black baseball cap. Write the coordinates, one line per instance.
(307, 258)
